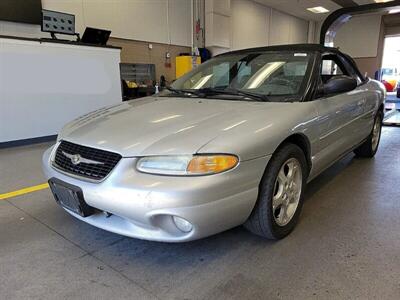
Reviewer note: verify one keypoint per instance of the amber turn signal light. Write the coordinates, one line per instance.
(211, 164)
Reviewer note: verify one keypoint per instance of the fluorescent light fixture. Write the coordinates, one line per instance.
(394, 11)
(382, 1)
(318, 10)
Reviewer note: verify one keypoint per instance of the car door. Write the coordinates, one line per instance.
(338, 115)
(371, 97)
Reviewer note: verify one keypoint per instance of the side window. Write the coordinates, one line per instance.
(353, 72)
(331, 66)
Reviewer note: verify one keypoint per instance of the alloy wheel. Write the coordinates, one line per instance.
(376, 133)
(287, 191)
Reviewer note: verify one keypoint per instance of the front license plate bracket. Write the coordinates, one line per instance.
(70, 197)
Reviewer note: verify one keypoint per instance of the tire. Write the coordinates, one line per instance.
(370, 146)
(265, 219)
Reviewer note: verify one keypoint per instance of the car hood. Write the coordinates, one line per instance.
(161, 125)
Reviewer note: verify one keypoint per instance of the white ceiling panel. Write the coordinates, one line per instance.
(298, 8)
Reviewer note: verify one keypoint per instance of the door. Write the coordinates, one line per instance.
(370, 97)
(339, 116)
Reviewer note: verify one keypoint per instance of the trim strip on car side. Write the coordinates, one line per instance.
(345, 124)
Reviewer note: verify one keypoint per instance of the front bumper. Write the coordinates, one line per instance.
(142, 205)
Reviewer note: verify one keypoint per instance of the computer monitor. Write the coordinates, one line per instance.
(95, 36)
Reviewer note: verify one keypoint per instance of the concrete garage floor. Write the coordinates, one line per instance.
(347, 244)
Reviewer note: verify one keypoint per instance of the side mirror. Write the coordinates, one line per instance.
(339, 84)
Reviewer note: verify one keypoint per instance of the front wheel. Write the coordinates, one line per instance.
(370, 146)
(280, 196)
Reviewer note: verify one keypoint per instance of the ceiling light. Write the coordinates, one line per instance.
(382, 1)
(394, 11)
(318, 10)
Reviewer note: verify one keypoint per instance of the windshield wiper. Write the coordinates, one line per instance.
(217, 91)
(184, 91)
(235, 92)
(254, 96)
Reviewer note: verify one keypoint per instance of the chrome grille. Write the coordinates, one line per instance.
(96, 164)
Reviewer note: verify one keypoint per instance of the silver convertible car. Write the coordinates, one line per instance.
(235, 141)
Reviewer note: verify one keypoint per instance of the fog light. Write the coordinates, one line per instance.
(182, 224)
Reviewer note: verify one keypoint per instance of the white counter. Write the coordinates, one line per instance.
(44, 85)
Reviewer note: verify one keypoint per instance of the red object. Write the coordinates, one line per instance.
(388, 86)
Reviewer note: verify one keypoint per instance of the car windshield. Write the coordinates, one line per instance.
(268, 76)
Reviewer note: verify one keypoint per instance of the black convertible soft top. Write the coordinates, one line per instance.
(291, 47)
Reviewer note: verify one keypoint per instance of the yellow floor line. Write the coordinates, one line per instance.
(24, 191)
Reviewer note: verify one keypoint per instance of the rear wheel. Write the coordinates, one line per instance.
(370, 146)
(280, 194)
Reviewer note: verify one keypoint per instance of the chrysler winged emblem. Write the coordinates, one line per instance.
(76, 159)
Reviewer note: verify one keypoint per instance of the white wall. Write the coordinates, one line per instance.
(251, 25)
(217, 23)
(317, 31)
(159, 21)
(359, 37)
(254, 24)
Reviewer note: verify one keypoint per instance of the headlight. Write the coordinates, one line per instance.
(187, 164)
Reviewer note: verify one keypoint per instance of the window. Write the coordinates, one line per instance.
(329, 67)
(279, 74)
(354, 72)
(332, 66)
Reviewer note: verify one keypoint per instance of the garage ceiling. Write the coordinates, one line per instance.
(298, 8)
